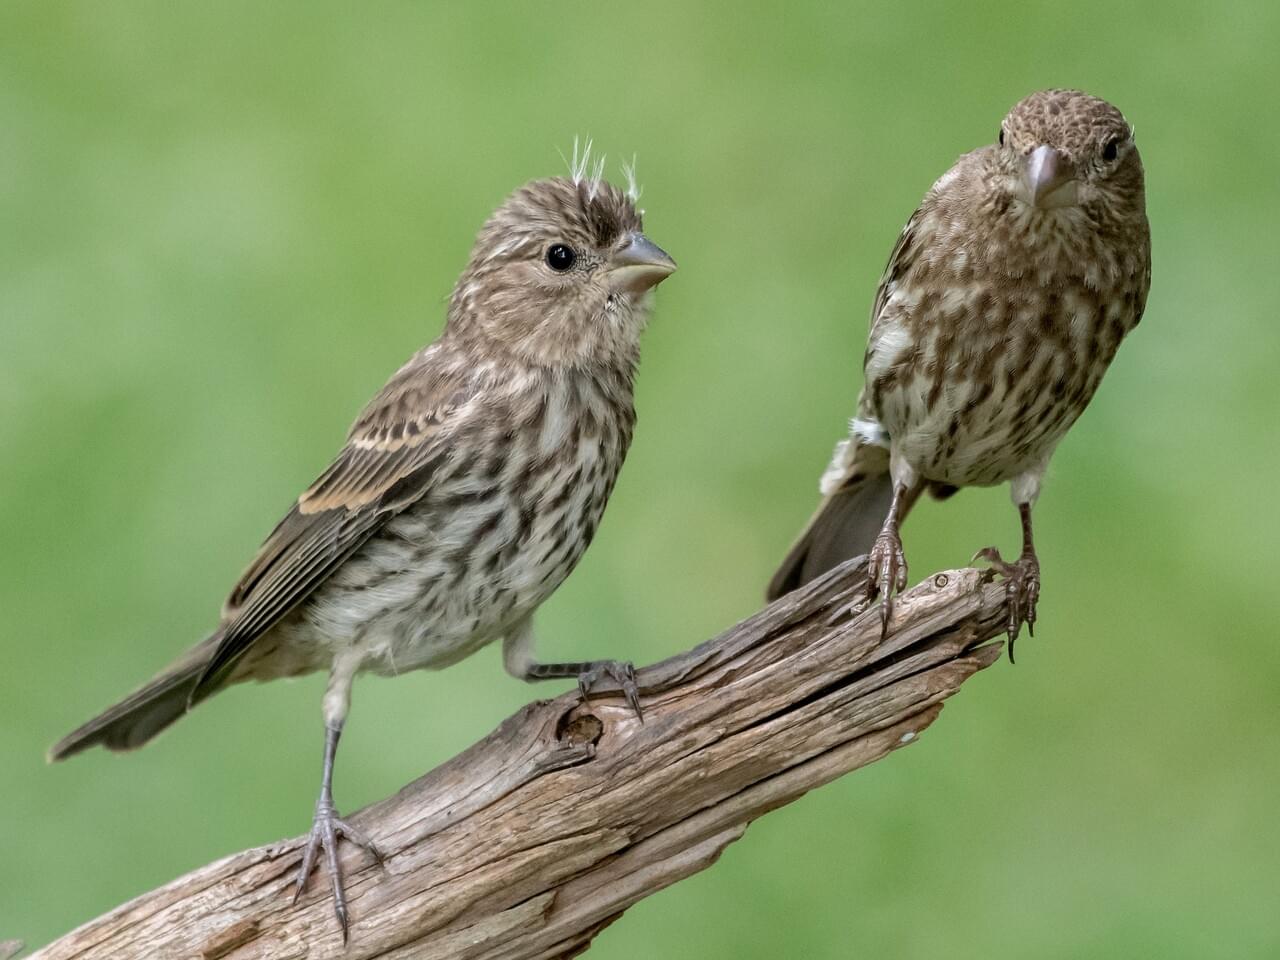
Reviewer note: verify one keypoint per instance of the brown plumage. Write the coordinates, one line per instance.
(1003, 303)
(466, 491)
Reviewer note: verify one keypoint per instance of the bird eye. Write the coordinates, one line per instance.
(1111, 149)
(560, 258)
(1001, 136)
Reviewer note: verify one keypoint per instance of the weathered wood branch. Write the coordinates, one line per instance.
(539, 836)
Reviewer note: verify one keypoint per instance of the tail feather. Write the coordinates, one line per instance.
(847, 522)
(144, 713)
(844, 525)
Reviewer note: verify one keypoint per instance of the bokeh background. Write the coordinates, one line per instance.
(223, 225)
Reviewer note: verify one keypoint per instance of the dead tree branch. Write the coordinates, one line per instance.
(539, 836)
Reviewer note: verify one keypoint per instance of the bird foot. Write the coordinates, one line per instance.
(621, 672)
(326, 828)
(886, 574)
(1022, 589)
(590, 673)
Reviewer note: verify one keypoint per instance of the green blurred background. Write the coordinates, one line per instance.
(225, 224)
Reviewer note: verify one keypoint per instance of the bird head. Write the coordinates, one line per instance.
(562, 273)
(1061, 149)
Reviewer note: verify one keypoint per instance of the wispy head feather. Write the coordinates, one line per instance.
(633, 186)
(578, 162)
(583, 170)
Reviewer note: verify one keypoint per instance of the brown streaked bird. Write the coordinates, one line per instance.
(465, 494)
(1003, 303)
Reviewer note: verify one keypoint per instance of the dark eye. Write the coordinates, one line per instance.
(560, 257)
(1002, 136)
(1111, 149)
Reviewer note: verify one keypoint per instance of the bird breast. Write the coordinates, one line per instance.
(976, 383)
(497, 532)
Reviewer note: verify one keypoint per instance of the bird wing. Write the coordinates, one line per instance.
(853, 459)
(905, 253)
(855, 486)
(387, 463)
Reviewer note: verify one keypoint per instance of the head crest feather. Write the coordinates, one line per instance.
(633, 186)
(588, 171)
(585, 171)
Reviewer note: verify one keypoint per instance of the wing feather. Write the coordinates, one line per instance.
(904, 254)
(389, 461)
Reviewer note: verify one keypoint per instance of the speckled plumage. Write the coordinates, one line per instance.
(466, 492)
(510, 508)
(1004, 301)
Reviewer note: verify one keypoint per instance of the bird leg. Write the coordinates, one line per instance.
(325, 830)
(887, 564)
(588, 674)
(519, 659)
(1022, 578)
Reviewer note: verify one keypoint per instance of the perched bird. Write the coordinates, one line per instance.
(1003, 303)
(465, 494)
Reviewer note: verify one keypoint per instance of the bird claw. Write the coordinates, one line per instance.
(1022, 590)
(621, 672)
(326, 828)
(886, 574)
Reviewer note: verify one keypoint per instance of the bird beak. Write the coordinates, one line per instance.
(1048, 179)
(639, 265)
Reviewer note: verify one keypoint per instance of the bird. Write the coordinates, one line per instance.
(465, 493)
(1004, 301)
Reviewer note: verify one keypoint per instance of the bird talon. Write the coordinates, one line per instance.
(1022, 589)
(308, 864)
(621, 672)
(886, 574)
(326, 830)
(359, 838)
(886, 614)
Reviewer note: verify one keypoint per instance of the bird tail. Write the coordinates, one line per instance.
(844, 525)
(858, 492)
(145, 712)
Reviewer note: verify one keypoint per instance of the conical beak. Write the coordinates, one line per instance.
(1048, 178)
(639, 264)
